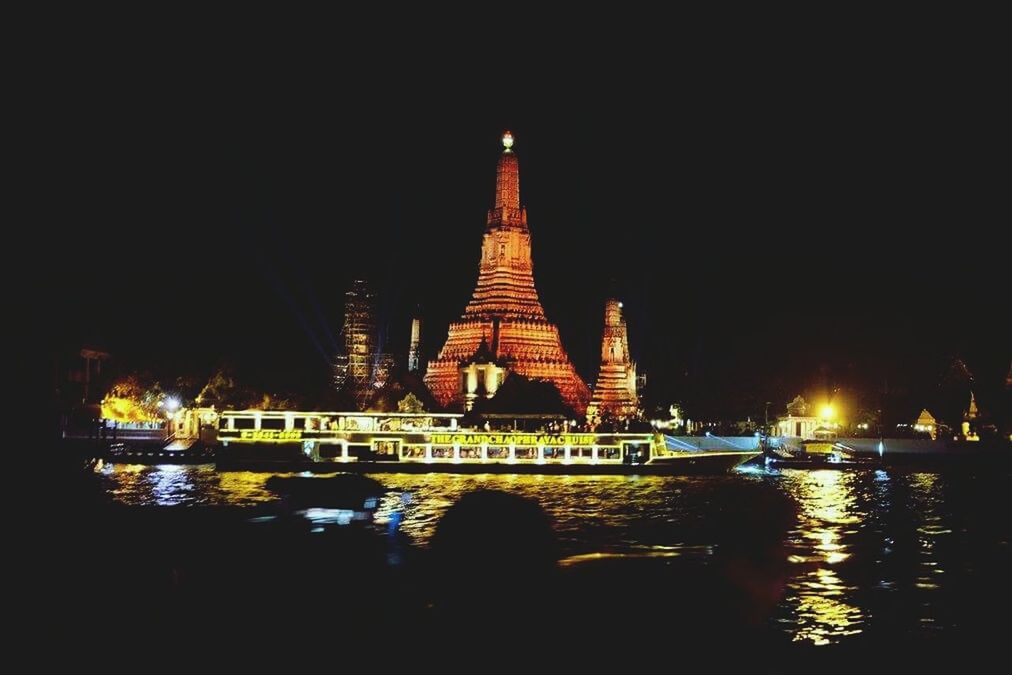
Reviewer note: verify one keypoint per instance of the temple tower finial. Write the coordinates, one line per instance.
(507, 177)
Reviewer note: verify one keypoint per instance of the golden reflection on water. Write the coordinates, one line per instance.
(245, 487)
(847, 521)
(925, 494)
(612, 501)
(613, 508)
(176, 485)
(828, 513)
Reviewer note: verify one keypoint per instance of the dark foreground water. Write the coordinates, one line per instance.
(894, 556)
(752, 567)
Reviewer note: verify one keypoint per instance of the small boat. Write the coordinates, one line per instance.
(343, 491)
(790, 463)
(324, 501)
(172, 452)
(813, 454)
(698, 462)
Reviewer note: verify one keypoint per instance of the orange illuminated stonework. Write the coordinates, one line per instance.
(505, 309)
(615, 390)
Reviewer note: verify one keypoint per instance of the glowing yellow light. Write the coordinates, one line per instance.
(827, 412)
(507, 140)
(125, 410)
(269, 435)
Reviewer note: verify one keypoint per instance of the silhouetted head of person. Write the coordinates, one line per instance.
(493, 552)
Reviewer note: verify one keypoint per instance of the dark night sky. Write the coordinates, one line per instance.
(771, 230)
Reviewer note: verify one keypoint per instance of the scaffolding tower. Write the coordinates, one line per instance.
(353, 370)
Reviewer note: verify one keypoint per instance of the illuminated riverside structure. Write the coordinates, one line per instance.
(505, 311)
(420, 437)
(615, 390)
(423, 442)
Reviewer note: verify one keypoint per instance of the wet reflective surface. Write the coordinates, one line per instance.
(896, 554)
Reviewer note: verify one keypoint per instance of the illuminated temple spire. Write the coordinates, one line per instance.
(505, 273)
(505, 308)
(615, 390)
(507, 177)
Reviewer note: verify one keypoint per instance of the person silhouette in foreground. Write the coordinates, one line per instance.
(732, 598)
(495, 565)
(494, 558)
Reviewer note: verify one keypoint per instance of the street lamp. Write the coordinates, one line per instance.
(170, 407)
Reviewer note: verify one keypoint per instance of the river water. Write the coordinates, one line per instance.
(873, 552)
